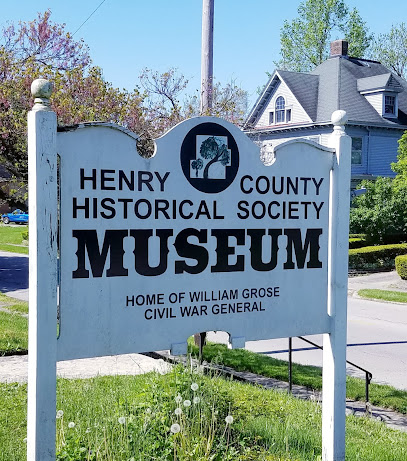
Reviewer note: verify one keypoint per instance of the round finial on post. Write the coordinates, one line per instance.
(41, 90)
(339, 119)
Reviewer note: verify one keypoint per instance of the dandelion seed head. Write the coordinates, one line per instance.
(187, 403)
(148, 411)
(229, 419)
(178, 411)
(175, 428)
(122, 420)
(194, 386)
(196, 400)
(60, 413)
(87, 430)
(178, 399)
(71, 425)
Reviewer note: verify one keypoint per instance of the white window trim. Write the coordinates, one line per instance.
(361, 151)
(396, 105)
(274, 109)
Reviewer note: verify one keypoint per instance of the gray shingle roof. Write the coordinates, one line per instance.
(296, 81)
(336, 84)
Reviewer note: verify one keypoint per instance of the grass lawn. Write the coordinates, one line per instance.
(13, 327)
(135, 418)
(244, 360)
(11, 238)
(13, 304)
(13, 333)
(385, 295)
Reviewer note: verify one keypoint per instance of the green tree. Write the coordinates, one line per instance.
(305, 40)
(381, 213)
(391, 49)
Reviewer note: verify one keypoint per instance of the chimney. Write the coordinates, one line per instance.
(339, 48)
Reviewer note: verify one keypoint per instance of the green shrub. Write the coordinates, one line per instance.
(25, 235)
(376, 257)
(357, 243)
(401, 266)
(358, 236)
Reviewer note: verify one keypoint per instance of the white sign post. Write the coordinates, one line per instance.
(42, 188)
(202, 236)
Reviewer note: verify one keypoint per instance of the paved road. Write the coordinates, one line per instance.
(377, 335)
(377, 341)
(14, 275)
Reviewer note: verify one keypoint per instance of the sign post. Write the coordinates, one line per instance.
(42, 343)
(334, 343)
(202, 236)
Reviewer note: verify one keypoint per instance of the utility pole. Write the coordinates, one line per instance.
(207, 57)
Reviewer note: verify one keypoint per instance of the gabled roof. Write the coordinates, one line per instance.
(336, 84)
(379, 82)
(296, 81)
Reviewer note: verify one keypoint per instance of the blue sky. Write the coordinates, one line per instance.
(126, 36)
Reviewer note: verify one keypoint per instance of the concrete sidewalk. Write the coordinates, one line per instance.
(380, 280)
(15, 368)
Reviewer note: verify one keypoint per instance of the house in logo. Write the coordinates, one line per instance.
(212, 157)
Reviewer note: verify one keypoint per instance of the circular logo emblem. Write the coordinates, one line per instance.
(209, 158)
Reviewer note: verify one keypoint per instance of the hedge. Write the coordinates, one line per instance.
(401, 266)
(358, 236)
(356, 243)
(376, 257)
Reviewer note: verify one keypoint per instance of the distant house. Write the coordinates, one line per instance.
(300, 105)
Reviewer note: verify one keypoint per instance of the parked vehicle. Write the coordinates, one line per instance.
(16, 216)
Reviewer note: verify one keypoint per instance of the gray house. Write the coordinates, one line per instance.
(300, 105)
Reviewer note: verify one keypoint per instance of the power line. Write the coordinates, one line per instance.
(87, 19)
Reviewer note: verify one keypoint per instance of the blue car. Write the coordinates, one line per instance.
(17, 216)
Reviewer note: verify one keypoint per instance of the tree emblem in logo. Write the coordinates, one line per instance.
(214, 157)
(209, 158)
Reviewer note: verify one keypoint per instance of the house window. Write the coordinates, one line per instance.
(280, 109)
(389, 105)
(357, 151)
(271, 118)
(288, 115)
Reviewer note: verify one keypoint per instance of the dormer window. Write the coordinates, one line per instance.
(381, 91)
(389, 105)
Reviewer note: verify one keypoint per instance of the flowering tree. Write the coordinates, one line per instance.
(41, 48)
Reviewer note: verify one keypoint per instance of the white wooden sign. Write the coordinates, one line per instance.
(203, 236)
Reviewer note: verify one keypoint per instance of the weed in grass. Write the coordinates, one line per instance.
(130, 418)
(180, 416)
